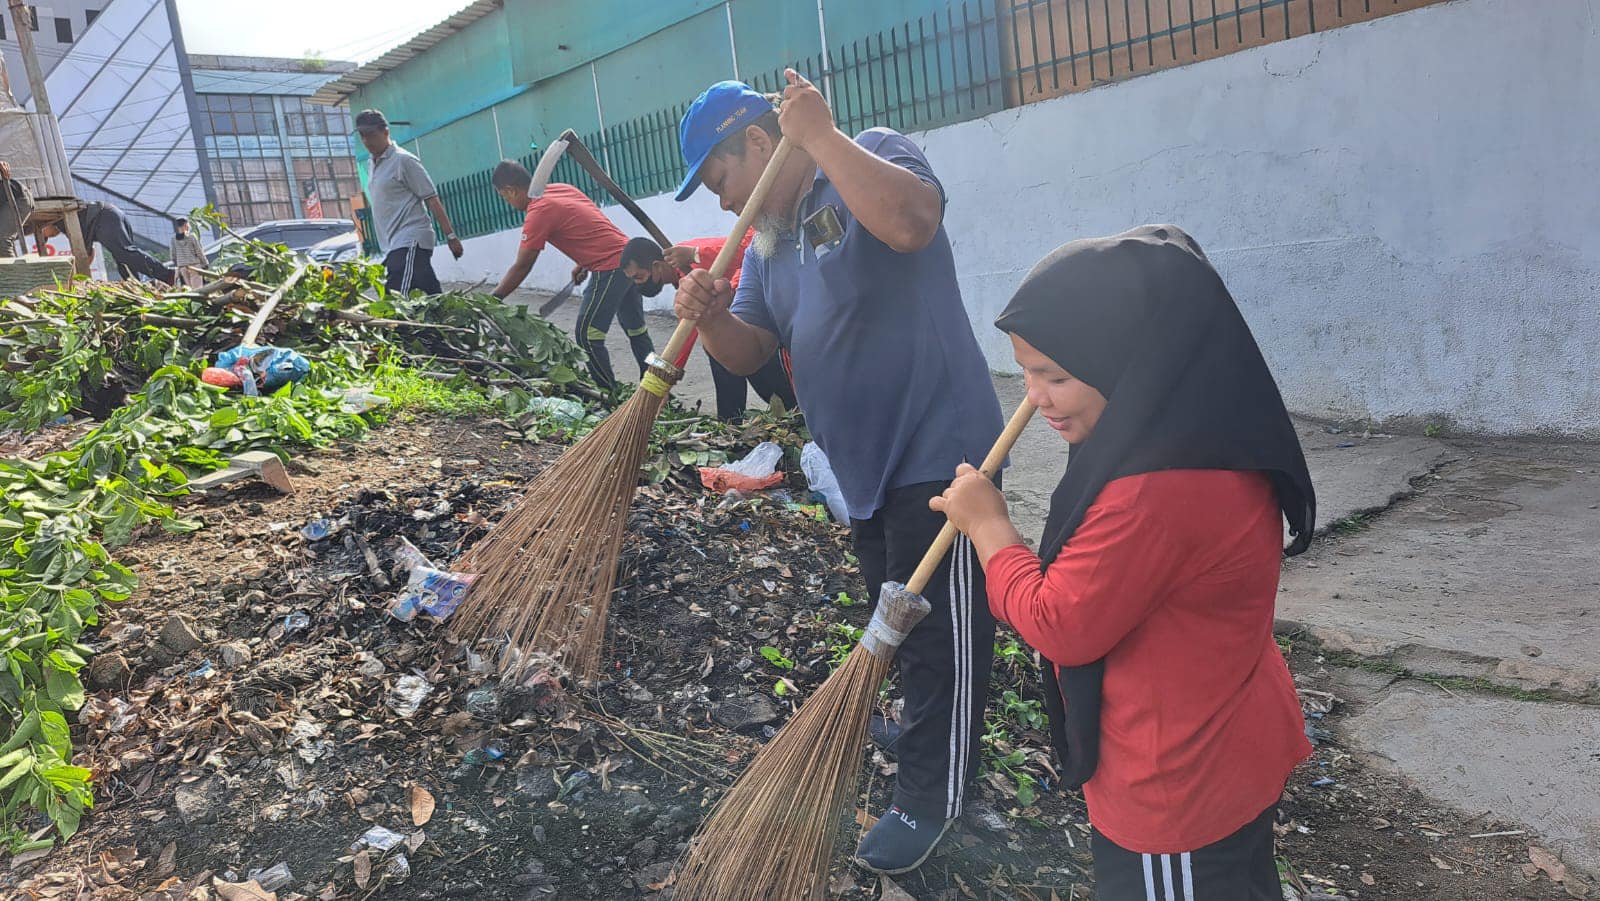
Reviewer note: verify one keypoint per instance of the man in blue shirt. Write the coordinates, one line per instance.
(851, 270)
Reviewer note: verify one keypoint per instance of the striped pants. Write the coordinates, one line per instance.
(407, 269)
(944, 663)
(1237, 868)
(611, 295)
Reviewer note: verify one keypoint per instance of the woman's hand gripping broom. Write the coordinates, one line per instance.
(772, 835)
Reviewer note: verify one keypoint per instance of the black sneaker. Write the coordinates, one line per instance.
(899, 842)
(884, 732)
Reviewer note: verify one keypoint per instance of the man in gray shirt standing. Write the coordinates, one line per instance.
(402, 196)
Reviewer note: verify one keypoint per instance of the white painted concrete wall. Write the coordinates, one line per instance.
(1406, 210)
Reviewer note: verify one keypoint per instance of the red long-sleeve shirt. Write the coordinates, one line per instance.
(706, 250)
(1171, 578)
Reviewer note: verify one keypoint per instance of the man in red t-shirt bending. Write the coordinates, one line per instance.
(649, 267)
(567, 218)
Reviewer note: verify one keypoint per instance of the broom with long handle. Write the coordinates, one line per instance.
(772, 835)
(547, 569)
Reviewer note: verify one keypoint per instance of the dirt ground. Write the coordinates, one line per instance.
(248, 718)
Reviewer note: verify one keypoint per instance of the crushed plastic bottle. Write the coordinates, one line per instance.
(318, 529)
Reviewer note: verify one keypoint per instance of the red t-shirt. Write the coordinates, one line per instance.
(1171, 578)
(567, 218)
(706, 250)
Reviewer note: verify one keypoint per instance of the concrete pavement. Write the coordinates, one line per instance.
(1487, 571)
(1536, 764)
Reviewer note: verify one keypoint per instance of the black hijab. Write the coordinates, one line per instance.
(1144, 319)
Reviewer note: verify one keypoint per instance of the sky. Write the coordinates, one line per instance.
(356, 30)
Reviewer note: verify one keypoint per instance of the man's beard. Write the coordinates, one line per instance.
(772, 232)
(649, 289)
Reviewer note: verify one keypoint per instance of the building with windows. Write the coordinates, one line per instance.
(159, 132)
(56, 25)
(271, 155)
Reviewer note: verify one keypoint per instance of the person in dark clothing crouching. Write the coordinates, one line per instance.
(104, 224)
(650, 269)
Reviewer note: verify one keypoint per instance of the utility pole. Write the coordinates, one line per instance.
(30, 59)
(41, 106)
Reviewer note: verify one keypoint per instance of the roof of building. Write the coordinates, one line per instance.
(235, 63)
(237, 81)
(339, 89)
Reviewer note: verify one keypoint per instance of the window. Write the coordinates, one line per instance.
(33, 18)
(2, 26)
(89, 15)
(303, 237)
(63, 30)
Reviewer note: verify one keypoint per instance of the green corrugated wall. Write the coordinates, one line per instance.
(645, 57)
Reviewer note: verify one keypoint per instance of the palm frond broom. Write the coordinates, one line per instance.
(546, 571)
(772, 835)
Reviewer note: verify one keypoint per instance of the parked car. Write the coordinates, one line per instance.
(298, 234)
(337, 249)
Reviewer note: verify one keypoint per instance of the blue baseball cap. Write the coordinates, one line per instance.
(721, 110)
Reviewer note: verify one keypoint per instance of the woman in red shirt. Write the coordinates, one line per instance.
(1152, 599)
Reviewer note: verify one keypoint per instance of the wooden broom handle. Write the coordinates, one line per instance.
(991, 465)
(724, 260)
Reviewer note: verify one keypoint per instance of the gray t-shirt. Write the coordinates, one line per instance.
(398, 185)
(886, 368)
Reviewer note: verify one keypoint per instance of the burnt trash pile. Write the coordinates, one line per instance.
(274, 721)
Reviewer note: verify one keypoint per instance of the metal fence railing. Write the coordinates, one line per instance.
(933, 70)
(1054, 47)
(969, 59)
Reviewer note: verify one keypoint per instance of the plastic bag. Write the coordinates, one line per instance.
(433, 591)
(759, 463)
(264, 368)
(814, 463)
(563, 411)
(752, 472)
(360, 399)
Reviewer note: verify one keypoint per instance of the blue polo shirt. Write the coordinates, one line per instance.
(886, 367)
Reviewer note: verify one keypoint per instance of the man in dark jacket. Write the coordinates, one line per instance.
(103, 223)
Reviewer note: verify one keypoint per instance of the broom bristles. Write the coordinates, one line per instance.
(547, 569)
(772, 834)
